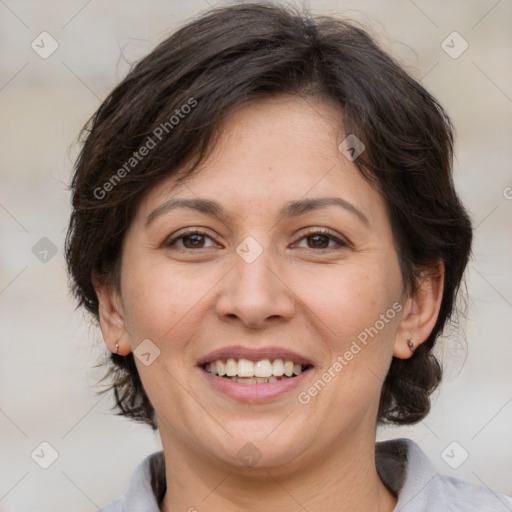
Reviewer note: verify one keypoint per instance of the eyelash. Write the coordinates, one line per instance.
(322, 232)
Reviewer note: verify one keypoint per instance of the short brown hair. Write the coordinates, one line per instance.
(232, 55)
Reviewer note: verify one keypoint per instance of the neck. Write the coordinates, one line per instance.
(342, 478)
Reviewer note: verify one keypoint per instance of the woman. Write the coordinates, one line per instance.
(266, 228)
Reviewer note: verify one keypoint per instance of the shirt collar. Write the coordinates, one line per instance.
(401, 465)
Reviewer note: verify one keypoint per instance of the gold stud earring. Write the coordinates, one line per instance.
(117, 348)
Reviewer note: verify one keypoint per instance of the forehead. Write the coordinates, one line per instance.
(271, 151)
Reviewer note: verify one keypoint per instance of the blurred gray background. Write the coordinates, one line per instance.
(48, 350)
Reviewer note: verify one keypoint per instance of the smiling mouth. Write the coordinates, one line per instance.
(263, 371)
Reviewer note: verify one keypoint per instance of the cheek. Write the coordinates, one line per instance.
(165, 301)
(155, 298)
(355, 309)
(348, 298)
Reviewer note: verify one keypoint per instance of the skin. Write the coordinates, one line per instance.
(307, 294)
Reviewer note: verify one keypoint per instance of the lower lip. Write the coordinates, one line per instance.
(254, 392)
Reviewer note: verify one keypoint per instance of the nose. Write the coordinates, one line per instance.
(255, 295)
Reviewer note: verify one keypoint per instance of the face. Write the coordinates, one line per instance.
(276, 249)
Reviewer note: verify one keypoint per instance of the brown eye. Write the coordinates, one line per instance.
(318, 241)
(321, 239)
(190, 240)
(193, 241)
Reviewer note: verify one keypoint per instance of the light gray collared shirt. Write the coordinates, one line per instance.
(401, 465)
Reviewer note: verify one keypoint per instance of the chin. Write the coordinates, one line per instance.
(261, 452)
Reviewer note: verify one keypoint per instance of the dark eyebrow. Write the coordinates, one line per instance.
(291, 209)
(202, 205)
(294, 208)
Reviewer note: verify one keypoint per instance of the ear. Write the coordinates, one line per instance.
(112, 322)
(420, 312)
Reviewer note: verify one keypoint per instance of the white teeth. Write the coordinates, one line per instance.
(221, 367)
(278, 368)
(263, 368)
(246, 368)
(250, 380)
(250, 373)
(256, 380)
(231, 367)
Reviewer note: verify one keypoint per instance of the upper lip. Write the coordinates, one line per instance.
(253, 354)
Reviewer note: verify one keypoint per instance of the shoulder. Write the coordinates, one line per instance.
(114, 506)
(466, 496)
(407, 471)
(146, 488)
